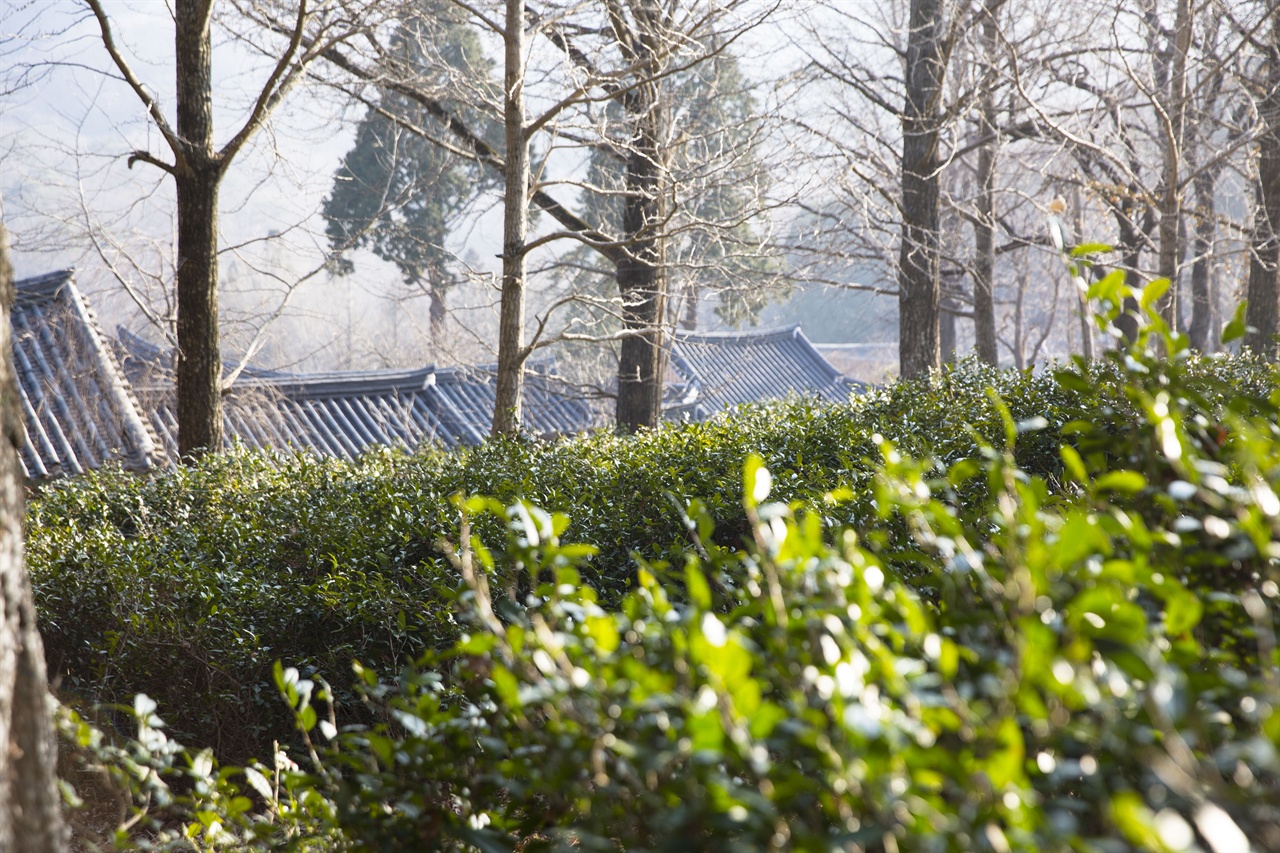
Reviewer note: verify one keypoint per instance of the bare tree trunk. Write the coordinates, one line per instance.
(1171, 197)
(198, 169)
(984, 307)
(984, 311)
(642, 285)
(30, 810)
(197, 173)
(1201, 268)
(1019, 335)
(642, 281)
(511, 349)
(1082, 298)
(918, 285)
(1263, 290)
(199, 369)
(1130, 247)
(439, 313)
(689, 317)
(947, 329)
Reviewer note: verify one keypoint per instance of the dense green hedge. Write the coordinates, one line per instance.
(188, 586)
(1010, 649)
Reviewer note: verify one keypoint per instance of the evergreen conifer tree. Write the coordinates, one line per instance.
(399, 193)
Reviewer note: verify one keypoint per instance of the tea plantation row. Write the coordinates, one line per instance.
(1055, 631)
(189, 586)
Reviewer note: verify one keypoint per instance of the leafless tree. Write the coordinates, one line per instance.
(984, 220)
(601, 72)
(198, 166)
(512, 352)
(901, 136)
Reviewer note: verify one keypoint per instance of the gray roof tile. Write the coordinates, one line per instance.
(345, 414)
(77, 407)
(80, 412)
(719, 370)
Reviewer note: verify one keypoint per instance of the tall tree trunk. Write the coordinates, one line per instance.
(199, 369)
(689, 317)
(1263, 289)
(198, 169)
(439, 313)
(1171, 196)
(511, 349)
(642, 284)
(642, 280)
(1019, 333)
(1130, 248)
(947, 329)
(1082, 297)
(918, 286)
(984, 264)
(197, 173)
(30, 811)
(1206, 227)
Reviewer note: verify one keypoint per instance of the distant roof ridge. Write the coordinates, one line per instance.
(54, 444)
(139, 347)
(689, 335)
(135, 346)
(343, 413)
(727, 368)
(45, 286)
(125, 400)
(329, 383)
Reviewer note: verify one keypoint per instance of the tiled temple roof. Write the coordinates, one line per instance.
(77, 407)
(719, 370)
(87, 403)
(344, 414)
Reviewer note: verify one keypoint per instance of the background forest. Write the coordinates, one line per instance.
(878, 172)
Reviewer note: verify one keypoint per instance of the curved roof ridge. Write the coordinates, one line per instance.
(341, 379)
(744, 334)
(45, 286)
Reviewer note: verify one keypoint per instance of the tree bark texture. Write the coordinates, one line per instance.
(984, 264)
(439, 315)
(515, 223)
(1202, 302)
(1263, 289)
(1130, 248)
(918, 285)
(642, 285)
(1085, 311)
(947, 329)
(1171, 196)
(197, 174)
(30, 805)
(641, 278)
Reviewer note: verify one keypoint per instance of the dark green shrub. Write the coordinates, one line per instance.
(1092, 664)
(799, 696)
(188, 586)
(1095, 666)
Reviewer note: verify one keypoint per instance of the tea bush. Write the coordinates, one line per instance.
(1053, 696)
(189, 585)
(987, 611)
(1066, 684)
(1093, 664)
